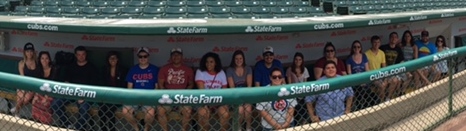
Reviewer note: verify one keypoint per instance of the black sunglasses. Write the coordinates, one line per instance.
(143, 56)
(276, 77)
(329, 50)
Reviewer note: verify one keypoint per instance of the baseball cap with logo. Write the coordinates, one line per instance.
(28, 46)
(424, 33)
(176, 50)
(268, 49)
(143, 49)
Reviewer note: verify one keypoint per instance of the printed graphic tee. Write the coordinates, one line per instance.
(176, 77)
(425, 49)
(277, 109)
(357, 67)
(392, 55)
(143, 78)
(211, 81)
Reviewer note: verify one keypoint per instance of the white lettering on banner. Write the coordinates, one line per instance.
(447, 15)
(444, 55)
(42, 27)
(385, 74)
(379, 22)
(309, 88)
(329, 26)
(186, 30)
(69, 91)
(418, 17)
(190, 99)
(251, 29)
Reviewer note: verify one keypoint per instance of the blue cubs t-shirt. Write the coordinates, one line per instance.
(143, 78)
(358, 68)
(425, 50)
(262, 73)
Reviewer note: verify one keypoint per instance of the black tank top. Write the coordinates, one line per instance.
(29, 72)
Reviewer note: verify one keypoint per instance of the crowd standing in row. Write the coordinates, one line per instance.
(277, 114)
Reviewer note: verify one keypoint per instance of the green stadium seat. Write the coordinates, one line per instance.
(100, 4)
(219, 10)
(279, 10)
(298, 10)
(251, 3)
(365, 2)
(197, 10)
(195, 3)
(233, 3)
(315, 10)
(20, 11)
(67, 3)
(391, 7)
(403, 1)
(152, 12)
(340, 4)
(240, 10)
(175, 16)
(37, 3)
(70, 11)
(374, 2)
(51, 3)
(52, 10)
(118, 4)
(36, 11)
(203, 16)
(260, 10)
(229, 16)
(176, 3)
(356, 10)
(284, 16)
(385, 1)
(302, 3)
(175, 10)
(131, 12)
(353, 3)
(215, 3)
(137, 4)
(90, 11)
(263, 16)
(110, 11)
(285, 3)
(368, 8)
(243, 16)
(83, 3)
(268, 3)
(156, 3)
(394, 1)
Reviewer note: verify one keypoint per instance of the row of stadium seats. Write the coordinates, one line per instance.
(172, 12)
(389, 8)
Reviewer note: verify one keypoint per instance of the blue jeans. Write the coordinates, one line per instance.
(58, 107)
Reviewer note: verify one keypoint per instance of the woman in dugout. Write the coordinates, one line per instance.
(329, 55)
(239, 75)
(113, 75)
(210, 76)
(442, 66)
(330, 104)
(26, 67)
(410, 52)
(357, 62)
(41, 110)
(297, 73)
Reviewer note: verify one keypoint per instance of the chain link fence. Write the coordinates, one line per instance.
(396, 98)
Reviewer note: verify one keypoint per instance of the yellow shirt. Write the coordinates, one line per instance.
(375, 59)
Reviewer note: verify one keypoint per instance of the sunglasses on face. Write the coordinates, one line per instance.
(356, 47)
(439, 40)
(276, 77)
(329, 50)
(143, 56)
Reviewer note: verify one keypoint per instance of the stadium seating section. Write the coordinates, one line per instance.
(177, 9)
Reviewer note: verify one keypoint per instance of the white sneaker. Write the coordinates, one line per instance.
(13, 110)
(70, 127)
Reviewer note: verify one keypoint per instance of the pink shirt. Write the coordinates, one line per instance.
(176, 77)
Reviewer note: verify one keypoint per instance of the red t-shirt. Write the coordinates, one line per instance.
(340, 65)
(176, 77)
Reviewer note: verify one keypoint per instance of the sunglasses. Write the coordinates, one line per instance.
(329, 50)
(439, 40)
(143, 56)
(276, 77)
(356, 47)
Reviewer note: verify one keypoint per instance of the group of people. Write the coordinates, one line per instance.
(210, 75)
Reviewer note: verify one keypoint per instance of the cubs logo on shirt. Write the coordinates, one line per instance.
(280, 105)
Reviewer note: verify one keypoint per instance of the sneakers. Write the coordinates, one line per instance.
(70, 127)
(13, 110)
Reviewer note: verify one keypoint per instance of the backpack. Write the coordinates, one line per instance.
(64, 58)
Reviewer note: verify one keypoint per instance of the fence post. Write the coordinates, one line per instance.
(451, 62)
(236, 123)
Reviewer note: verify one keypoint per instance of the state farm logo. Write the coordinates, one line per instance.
(277, 56)
(272, 37)
(415, 31)
(17, 49)
(368, 38)
(58, 45)
(151, 50)
(461, 29)
(392, 27)
(435, 21)
(344, 50)
(185, 39)
(24, 33)
(462, 19)
(97, 38)
(309, 45)
(229, 49)
(342, 33)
